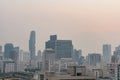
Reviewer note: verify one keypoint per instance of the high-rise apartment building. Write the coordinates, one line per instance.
(117, 72)
(7, 50)
(77, 54)
(32, 45)
(39, 56)
(48, 59)
(106, 53)
(116, 55)
(94, 58)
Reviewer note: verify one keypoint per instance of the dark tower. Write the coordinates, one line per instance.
(51, 42)
(8, 48)
(32, 45)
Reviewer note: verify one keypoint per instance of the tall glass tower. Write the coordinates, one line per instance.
(32, 45)
(8, 48)
(106, 53)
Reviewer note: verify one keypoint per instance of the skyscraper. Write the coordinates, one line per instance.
(48, 59)
(32, 45)
(51, 42)
(14, 54)
(0, 48)
(77, 54)
(7, 50)
(1, 53)
(106, 53)
(94, 58)
(39, 55)
(63, 49)
(116, 55)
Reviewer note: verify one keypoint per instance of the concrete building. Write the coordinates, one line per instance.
(77, 70)
(7, 66)
(39, 56)
(55, 76)
(48, 59)
(65, 62)
(117, 72)
(24, 59)
(24, 56)
(10, 67)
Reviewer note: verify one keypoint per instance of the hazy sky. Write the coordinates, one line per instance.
(89, 23)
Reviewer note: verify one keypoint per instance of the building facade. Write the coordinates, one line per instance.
(7, 50)
(48, 59)
(32, 45)
(94, 58)
(51, 42)
(106, 53)
(63, 49)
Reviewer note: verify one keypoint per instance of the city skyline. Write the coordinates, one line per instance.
(89, 24)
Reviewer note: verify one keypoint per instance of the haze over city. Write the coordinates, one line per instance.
(88, 23)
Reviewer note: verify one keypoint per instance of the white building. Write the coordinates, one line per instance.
(24, 59)
(48, 59)
(65, 62)
(10, 67)
(7, 66)
(24, 56)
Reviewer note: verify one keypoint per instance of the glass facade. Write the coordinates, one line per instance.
(63, 49)
(32, 45)
(8, 48)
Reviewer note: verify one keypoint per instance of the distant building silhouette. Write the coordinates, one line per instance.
(1, 53)
(0, 48)
(32, 45)
(7, 50)
(14, 54)
(39, 55)
(77, 54)
(106, 53)
(62, 48)
(51, 42)
(94, 58)
(117, 72)
(48, 59)
(116, 55)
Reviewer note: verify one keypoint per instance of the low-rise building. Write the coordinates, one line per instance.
(55, 76)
